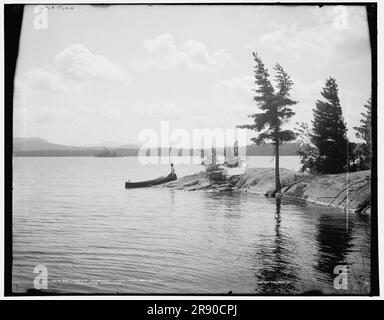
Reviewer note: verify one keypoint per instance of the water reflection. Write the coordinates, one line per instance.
(334, 235)
(192, 242)
(172, 198)
(230, 203)
(278, 274)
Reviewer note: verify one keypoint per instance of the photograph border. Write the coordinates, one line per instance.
(13, 15)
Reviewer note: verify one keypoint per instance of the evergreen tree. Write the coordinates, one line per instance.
(364, 132)
(306, 150)
(329, 133)
(275, 107)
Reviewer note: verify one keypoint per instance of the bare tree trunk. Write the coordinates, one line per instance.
(277, 171)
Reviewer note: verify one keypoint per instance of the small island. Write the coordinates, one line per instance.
(108, 153)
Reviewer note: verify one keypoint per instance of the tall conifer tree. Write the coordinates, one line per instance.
(275, 107)
(329, 133)
(364, 131)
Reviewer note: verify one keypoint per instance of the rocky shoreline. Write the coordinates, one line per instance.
(347, 191)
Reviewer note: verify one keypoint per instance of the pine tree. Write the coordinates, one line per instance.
(364, 132)
(306, 150)
(275, 107)
(329, 133)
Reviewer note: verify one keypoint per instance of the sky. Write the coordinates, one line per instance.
(89, 74)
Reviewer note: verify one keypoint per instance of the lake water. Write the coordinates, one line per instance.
(73, 216)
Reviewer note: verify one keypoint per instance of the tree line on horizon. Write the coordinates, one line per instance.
(324, 147)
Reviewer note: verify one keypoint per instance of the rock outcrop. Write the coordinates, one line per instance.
(349, 191)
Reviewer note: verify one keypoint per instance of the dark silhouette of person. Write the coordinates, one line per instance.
(173, 172)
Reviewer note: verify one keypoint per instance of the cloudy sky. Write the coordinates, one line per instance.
(104, 73)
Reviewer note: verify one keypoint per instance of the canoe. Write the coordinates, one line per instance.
(150, 183)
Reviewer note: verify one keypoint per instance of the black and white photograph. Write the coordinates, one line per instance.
(191, 149)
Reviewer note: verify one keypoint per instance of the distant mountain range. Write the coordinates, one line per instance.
(38, 147)
(38, 144)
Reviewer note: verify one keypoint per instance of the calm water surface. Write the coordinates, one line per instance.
(74, 216)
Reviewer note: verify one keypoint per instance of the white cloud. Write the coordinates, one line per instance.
(289, 40)
(73, 68)
(339, 35)
(20, 94)
(238, 93)
(306, 93)
(158, 111)
(348, 18)
(47, 78)
(163, 53)
(245, 83)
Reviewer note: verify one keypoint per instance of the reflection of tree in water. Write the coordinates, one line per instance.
(333, 241)
(279, 274)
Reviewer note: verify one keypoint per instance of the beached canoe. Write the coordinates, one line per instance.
(150, 183)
